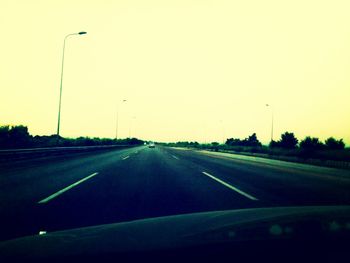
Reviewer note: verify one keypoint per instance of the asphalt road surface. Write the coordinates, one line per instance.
(123, 185)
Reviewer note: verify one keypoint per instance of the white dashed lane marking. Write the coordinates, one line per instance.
(47, 199)
(175, 157)
(231, 187)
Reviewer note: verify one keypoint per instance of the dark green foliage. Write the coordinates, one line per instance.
(287, 141)
(251, 141)
(311, 144)
(14, 137)
(184, 144)
(233, 142)
(333, 144)
(133, 141)
(273, 144)
(46, 141)
(19, 137)
(4, 136)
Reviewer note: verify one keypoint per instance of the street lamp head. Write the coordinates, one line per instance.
(82, 33)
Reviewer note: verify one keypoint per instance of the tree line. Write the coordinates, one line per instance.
(18, 136)
(287, 145)
(289, 141)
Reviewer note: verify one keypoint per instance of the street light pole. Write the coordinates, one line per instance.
(117, 121)
(267, 105)
(60, 100)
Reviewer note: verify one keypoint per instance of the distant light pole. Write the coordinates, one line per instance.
(267, 105)
(60, 100)
(117, 122)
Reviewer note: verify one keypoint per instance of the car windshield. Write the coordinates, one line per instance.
(114, 111)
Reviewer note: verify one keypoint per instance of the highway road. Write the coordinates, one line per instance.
(140, 182)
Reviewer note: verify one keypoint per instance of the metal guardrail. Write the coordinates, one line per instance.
(19, 154)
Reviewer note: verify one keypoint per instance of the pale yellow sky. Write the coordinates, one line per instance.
(190, 70)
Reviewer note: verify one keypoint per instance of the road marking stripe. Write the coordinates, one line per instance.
(175, 157)
(231, 187)
(47, 199)
(126, 157)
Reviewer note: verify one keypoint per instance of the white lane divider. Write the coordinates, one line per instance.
(231, 187)
(175, 157)
(47, 199)
(126, 157)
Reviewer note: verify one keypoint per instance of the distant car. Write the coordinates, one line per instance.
(151, 145)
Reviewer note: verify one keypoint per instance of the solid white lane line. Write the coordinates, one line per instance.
(175, 157)
(231, 187)
(126, 157)
(47, 199)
